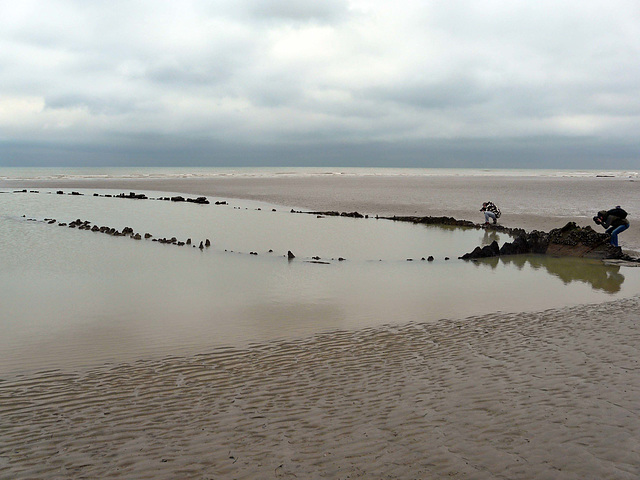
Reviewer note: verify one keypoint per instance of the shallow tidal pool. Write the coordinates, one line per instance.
(75, 297)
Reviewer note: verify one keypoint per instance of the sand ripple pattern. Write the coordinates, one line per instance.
(549, 395)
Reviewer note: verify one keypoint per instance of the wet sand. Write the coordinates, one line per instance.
(551, 395)
(545, 395)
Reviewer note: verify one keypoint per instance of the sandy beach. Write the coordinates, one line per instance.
(546, 395)
(552, 394)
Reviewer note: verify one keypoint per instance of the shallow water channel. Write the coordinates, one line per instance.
(74, 297)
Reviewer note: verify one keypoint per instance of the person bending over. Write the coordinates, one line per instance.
(614, 221)
(490, 212)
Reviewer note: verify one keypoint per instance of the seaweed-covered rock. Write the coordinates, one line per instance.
(570, 240)
(575, 241)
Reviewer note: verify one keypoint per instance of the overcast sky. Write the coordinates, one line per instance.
(475, 83)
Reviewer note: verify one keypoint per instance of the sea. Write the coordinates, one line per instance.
(75, 297)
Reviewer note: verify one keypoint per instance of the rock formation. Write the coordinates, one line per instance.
(570, 240)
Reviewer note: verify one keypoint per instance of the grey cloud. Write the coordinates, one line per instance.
(453, 92)
(284, 74)
(98, 105)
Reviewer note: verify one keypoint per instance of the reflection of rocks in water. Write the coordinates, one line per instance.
(601, 277)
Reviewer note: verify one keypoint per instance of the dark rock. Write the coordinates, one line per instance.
(177, 199)
(201, 247)
(134, 195)
(429, 258)
(487, 251)
(200, 200)
(207, 243)
(290, 255)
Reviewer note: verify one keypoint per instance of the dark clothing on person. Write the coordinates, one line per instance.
(615, 221)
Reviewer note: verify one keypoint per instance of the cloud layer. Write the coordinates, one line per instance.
(298, 82)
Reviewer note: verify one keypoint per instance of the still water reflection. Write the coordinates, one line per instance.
(607, 278)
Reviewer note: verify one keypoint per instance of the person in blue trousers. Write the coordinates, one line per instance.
(614, 220)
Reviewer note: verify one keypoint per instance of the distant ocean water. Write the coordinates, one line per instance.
(66, 173)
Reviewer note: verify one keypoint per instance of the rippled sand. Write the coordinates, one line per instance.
(519, 396)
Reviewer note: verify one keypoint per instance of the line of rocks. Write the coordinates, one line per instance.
(129, 232)
(135, 196)
(426, 220)
(126, 232)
